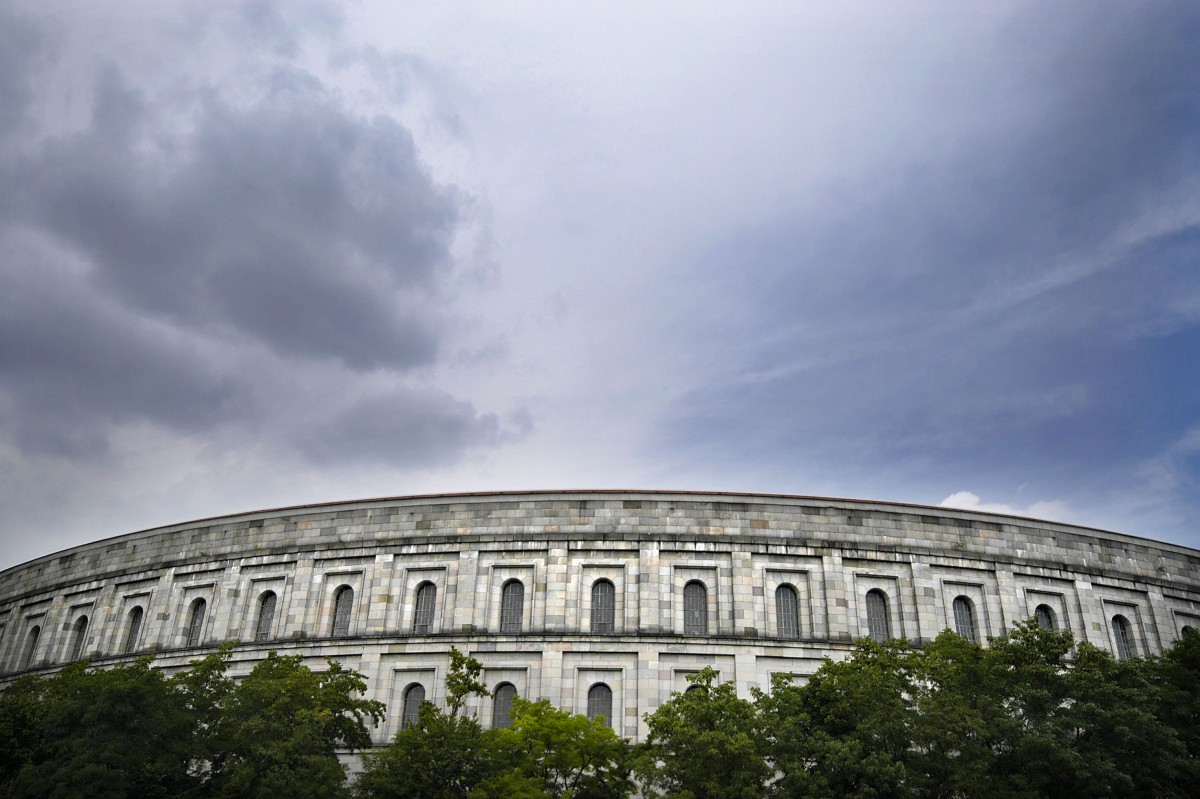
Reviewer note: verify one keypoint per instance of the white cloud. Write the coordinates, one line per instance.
(1054, 509)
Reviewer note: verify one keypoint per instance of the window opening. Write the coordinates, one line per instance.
(695, 608)
(964, 619)
(600, 703)
(502, 704)
(1123, 637)
(879, 626)
(135, 627)
(31, 642)
(787, 612)
(512, 606)
(196, 626)
(266, 616)
(343, 603)
(423, 614)
(1045, 617)
(604, 606)
(414, 695)
(78, 635)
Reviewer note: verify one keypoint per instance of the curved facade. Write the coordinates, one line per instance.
(600, 601)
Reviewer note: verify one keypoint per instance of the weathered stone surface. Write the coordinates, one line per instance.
(649, 545)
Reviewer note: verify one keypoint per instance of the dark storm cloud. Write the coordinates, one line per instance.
(72, 364)
(290, 220)
(192, 250)
(418, 428)
(994, 298)
(21, 44)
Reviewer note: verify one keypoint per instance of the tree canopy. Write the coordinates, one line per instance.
(1029, 715)
(133, 731)
(545, 752)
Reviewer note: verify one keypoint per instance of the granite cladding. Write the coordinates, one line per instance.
(753, 556)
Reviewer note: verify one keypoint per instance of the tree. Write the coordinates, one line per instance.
(851, 726)
(1030, 715)
(703, 743)
(281, 726)
(123, 731)
(1122, 748)
(462, 680)
(130, 730)
(205, 689)
(21, 739)
(1176, 675)
(954, 714)
(552, 753)
(443, 756)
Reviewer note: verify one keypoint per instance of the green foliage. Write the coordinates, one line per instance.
(116, 732)
(280, 728)
(1176, 676)
(545, 753)
(462, 680)
(951, 713)
(845, 733)
(205, 690)
(703, 743)
(558, 754)
(1028, 716)
(21, 741)
(131, 731)
(442, 756)
(1122, 749)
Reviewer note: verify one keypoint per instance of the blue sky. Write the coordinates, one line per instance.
(260, 254)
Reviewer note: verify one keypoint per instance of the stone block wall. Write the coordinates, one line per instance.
(649, 545)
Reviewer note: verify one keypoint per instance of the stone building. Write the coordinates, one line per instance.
(600, 601)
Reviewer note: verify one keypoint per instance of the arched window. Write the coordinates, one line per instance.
(343, 603)
(600, 703)
(31, 642)
(1186, 631)
(1044, 615)
(695, 608)
(423, 614)
(1123, 637)
(266, 616)
(787, 612)
(964, 619)
(502, 704)
(133, 629)
(414, 695)
(512, 606)
(78, 636)
(604, 606)
(879, 626)
(196, 624)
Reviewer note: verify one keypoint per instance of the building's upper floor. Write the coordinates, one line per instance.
(800, 572)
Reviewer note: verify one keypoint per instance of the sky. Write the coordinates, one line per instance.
(260, 254)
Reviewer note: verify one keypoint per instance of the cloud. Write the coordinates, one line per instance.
(21, 44)
(73, 363)
(1053, 510)
(288, 219)
(187, 248)
(986, 294)
(1159, 492)
(414, 429)
(292, 250)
